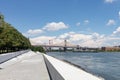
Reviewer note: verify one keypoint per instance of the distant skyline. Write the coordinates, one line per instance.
(92, 23)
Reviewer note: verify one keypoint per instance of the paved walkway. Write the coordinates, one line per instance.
(29, 66)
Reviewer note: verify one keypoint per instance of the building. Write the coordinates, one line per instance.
(114, 48)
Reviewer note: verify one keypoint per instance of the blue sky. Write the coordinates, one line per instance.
(83, 22)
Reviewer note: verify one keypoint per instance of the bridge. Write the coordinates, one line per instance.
(65, 46)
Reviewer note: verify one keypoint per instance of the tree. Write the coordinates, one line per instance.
(11, 38)
(38, 48)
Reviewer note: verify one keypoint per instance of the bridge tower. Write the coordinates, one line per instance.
(65, 45)
(50, 43)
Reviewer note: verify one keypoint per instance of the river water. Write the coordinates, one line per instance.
(104, 64)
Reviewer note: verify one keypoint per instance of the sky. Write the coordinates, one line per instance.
(88, 23)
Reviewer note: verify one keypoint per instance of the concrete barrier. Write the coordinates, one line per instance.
(8, 56)
(53, 73)
(59, 70)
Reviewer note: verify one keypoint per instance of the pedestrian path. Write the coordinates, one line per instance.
(28, 66)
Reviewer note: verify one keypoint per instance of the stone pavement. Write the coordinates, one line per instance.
(28, 66)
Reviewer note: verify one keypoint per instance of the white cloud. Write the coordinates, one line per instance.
(109, 1)
(78, 24)
(111, 22)
(41, 40)
(111, 41)
(86, 21)
(53, 26)
(35, 31)
(90, 40)
(117, 31)
(84, 40)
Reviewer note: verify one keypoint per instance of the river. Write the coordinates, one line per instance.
(104, 64)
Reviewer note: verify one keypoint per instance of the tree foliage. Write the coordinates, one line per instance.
(37, 48)
(10, 38)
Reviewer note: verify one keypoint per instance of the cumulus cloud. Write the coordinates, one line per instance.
(89, 40)
(117, 31)
(111, 41)
(35, 31)
(111, 22)
(41, 40)
(86, 21)
(78, 24)
(53, 26)
(84, 40)
(109, 1)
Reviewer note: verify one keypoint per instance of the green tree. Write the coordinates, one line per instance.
(38, 48)
(10, 38)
